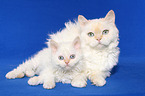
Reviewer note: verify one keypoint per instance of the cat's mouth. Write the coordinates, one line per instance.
(65, 66)
(100, 46)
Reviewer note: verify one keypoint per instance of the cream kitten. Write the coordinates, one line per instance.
(66, 66)
(62, 62)
(99, 40)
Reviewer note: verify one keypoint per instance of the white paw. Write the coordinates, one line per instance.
(49, 85)
(30, 73)
(33, 81)
(79, 83)
(99, 81)
(13, 74)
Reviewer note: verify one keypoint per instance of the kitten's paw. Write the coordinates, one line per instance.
(14, 74)
(30, 73)
(99, 81)
(49, 85)
(33, 81)
(79, 83)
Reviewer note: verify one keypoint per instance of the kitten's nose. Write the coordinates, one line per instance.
(66, 62)
(98, 39)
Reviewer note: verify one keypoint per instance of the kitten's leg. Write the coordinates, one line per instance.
(49, 83)
(49, 79)
(46, 78)
(15, 74)
(21, 70)
(79, 80)
(36, 80)
(98, 78)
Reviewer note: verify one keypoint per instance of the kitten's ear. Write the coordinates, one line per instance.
(77, 43)
(82, 20)
(110, 17)
(53, 46)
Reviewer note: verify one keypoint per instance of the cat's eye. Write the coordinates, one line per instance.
(72, 56)
(60, 57)
(90, 34)
(105, 32)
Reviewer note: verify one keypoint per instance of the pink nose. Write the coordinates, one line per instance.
(67, 62)
(98, 39)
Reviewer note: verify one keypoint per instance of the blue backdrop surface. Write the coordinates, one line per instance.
(24, 25)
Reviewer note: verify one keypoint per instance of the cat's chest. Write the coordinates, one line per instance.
(64, 77)
(95, 57)
(94, 54)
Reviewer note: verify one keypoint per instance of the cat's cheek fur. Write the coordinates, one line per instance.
(73, 62)
(57, 62)
(94, 43)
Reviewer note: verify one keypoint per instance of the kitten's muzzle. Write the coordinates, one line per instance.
(98, 39)
(66, 62)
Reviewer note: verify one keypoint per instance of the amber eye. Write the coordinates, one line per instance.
(105, 32)
(90, 34)
(60, 57)
(72, 56)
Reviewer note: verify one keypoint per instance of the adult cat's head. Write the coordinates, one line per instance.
(66, 54)
(99, 33)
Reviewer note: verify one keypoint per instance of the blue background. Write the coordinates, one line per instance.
(24, 25)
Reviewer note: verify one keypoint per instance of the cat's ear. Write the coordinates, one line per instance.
(53, 46)
(110, 17)
(77, 43)
(82, 20)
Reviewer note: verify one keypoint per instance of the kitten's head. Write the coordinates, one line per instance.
(66, 55)
(99, 33)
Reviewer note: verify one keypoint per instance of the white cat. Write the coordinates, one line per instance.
(62, 62)
(99, 40)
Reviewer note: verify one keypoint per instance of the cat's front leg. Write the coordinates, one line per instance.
(34, 80)
(79, 80)
(97, 79)
(46, 78)
(49, 84)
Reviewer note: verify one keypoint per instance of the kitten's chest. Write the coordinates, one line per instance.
(64, 77)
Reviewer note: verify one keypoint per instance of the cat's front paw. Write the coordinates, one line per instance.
(49, 85)
(13, 74)
(99, 81)
(30, 73)
(33, 81)
(79, 83)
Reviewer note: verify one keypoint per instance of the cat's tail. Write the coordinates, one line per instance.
(27, 68)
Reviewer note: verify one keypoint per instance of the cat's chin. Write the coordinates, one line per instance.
(99, 46)
(66, 67)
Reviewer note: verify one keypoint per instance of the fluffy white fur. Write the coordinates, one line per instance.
(100, 51)
(48, 66)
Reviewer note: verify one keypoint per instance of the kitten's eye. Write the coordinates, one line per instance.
(105, 32)
(60, 57)
(72, 56)
(90, 34)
